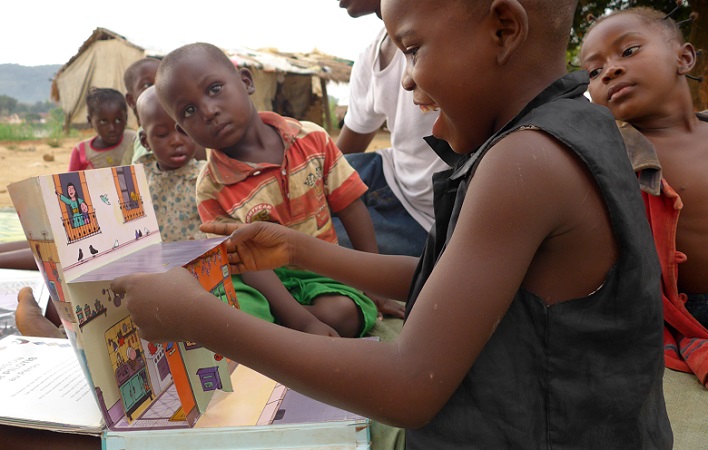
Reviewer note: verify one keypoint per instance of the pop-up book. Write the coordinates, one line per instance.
(85, 229)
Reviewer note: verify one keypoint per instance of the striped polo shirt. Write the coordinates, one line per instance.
(313, 180)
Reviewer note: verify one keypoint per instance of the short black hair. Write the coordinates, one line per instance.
(132, 70)
(96, 96)
(176, 55)
(558, 17)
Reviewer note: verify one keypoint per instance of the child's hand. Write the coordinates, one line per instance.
(161, 305)
(388, 307)
(256, 246)
(320, 328)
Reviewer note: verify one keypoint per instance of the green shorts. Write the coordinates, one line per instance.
(304, 286)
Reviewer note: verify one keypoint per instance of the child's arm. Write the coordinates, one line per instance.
(528, 178)
(357, 222)
(77, 160)
(264, 245)
(285, 308)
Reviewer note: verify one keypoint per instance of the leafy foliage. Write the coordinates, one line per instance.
(596, 8)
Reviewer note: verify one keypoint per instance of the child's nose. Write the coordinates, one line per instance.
(407, 81)
(210, 111)
(612, 72)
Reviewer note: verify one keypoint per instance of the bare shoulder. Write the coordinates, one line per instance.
(546, 202)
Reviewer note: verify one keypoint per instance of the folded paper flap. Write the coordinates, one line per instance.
(156, 258)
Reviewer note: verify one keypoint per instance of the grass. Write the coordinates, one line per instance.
(52, 130)
(23, 132)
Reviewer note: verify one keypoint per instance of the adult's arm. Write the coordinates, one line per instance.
(352, 142)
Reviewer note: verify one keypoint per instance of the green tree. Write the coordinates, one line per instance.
(7, 104)
(695, 30)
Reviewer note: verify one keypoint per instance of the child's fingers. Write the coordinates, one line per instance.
(119, 285)
(220, 228)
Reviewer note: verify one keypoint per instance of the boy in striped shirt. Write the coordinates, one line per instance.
(265, 167)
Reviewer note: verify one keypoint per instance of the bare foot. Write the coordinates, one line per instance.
(29, 318)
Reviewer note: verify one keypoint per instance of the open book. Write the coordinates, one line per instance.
(42, 386)
(85, 229)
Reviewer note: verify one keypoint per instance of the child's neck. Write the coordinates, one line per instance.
(673, 117)
(261, 144)
(683, 122)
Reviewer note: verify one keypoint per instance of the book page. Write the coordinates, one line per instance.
(11, 281)
(44, 387)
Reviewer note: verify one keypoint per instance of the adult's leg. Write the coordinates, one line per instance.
(397, 233)
(697, 305)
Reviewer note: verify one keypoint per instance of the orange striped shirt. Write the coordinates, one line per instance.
(313, 180)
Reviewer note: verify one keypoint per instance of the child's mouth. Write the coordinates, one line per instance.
(429, 108)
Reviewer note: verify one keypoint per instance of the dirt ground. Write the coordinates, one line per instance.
(21, 160)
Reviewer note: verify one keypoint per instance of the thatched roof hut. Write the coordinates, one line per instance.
(100, 62)
(292, 84)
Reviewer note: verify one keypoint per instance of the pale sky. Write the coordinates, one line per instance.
(51, 31)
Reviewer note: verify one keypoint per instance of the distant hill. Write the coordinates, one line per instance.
(27, 84)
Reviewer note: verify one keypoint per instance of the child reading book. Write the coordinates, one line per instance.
(534, 314)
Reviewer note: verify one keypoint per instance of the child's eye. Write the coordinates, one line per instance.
(411, 54)
(215, 89)
(146, 85)
(594, 73)
(630, 51)
(188, 111)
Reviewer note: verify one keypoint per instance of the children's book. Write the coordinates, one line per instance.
(85, 229)
(42, 386)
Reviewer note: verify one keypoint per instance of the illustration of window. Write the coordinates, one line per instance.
(131, 201)
(77, 212)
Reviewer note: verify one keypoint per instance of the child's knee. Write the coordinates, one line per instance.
(339, 312)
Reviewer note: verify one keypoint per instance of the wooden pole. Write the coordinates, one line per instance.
(325, 105)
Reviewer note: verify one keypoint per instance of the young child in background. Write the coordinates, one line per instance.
(264, 167)
(638, 63)
(107, 114)
(534, 318)
(137, 77)
(171, 173)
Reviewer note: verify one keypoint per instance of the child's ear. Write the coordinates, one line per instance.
(512, 27)
(143, 140)
(130, 100)
(247, 79)
(686, 59)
